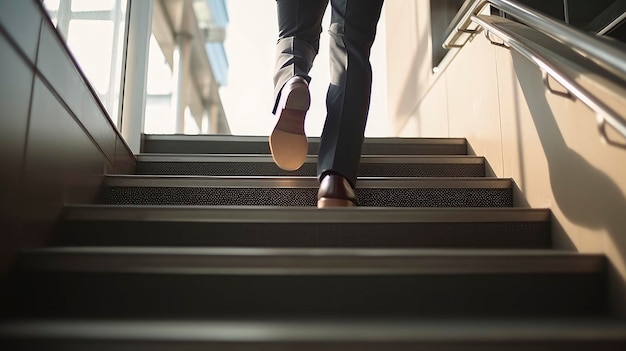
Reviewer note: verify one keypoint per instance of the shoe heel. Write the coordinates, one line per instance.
(330, 203)
(299, 98)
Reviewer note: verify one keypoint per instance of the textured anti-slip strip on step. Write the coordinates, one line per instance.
(301, 191)
(327, 335)
(234, 283)
(228, 144)
(198, 226)
(263, 165)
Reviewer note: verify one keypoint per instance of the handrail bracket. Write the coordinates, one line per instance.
(493, 42)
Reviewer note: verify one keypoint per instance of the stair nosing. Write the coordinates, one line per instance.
(464, 330)
(256, 138)
(304, 182)
(261, 158)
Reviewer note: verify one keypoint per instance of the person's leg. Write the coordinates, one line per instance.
(299, 28)
(352, 32)
(300, 25)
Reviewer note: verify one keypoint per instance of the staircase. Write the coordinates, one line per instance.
(212, 247)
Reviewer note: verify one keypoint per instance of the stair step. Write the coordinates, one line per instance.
(228, 144)
(305, 227)
(253, 165)
(289, 261)
(259, 283)
(302, 191)
(273, 335)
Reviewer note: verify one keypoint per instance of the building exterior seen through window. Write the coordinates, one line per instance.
(95, 32)
(199, 40)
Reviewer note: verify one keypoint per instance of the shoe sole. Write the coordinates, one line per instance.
(288, 142)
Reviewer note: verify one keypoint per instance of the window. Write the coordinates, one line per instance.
(95, 32)
(441, 14)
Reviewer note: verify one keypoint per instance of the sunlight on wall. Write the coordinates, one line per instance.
(248, 98)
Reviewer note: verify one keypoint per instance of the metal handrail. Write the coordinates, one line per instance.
(613, 24)
(606, 55)
(588, 46)
(574, 90)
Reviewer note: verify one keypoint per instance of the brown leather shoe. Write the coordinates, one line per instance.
(335, 191)
(288, 142)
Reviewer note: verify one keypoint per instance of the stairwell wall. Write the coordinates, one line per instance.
(547, 144)
(56, 140)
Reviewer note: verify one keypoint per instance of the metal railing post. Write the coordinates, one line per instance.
(180, 70)
(136, 78)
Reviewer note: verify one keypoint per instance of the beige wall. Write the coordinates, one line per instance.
(408, 56)
(56, 142)
(548, 144)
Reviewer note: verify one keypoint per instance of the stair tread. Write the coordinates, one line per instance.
(300, 214)
(302, 191)
(183, 144)
(437, 330)
(194, 260)
(439, 159)
(127, 225)
(260, 164)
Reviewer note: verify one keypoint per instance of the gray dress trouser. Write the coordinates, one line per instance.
(352, 32)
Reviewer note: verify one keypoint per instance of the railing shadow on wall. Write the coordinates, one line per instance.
(585, 178)
(576, 193)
